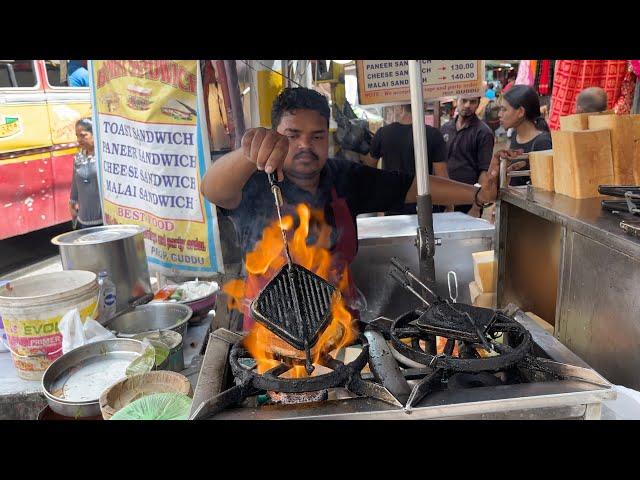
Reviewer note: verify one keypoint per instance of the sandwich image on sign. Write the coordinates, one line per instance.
(177, 110)
(139, 98)
(111, 100)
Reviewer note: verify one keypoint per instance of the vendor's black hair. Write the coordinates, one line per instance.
(299, 99)
(86, 124)
(526, 97)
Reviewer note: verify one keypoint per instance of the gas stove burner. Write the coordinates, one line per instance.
(422, 328)
(413, 326)
(249, 382)
(445, 319)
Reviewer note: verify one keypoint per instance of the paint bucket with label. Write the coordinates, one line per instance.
(31, 309)
(3, 337)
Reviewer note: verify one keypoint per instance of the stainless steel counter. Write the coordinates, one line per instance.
(381, 238)
(568, 261)
(582, 216)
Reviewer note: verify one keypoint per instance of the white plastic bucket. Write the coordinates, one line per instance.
(31, 309)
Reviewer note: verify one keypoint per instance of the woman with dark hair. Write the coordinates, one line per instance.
(520, 110)
(84, 204)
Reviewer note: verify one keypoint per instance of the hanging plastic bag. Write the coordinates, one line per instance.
(75, 333)
(72, 331)
(95, 332)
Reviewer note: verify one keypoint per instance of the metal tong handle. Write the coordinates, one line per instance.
(405, 283)
(410, 276)
(451, 274)
(629, 197)
(277, 195)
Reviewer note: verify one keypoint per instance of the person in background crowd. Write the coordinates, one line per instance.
(469, 148)
(78, 73)
(484, 100)
(394, 144)
(520, 110)
(591, 100)
(490, 93)
(84, 204)
(508, 86)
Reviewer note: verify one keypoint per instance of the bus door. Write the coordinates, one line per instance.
(26, 175)
(66, 104)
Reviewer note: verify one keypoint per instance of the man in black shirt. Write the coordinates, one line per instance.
(394, 143)
(470, 148)
(297, 150)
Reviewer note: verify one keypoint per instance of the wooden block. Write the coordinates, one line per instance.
(544, 324)
(485, 300)
(485, 270)
(541, 164)
(474, 291)
(621, 127)
(582, 160)
(579, 121)
(635, 126)
(479, 299)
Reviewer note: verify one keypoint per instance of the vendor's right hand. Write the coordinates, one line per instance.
(266, 149)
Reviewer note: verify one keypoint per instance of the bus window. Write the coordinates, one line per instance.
(67, 73)
(17, 74)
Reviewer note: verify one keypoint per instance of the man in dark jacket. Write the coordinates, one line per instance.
(469, 148)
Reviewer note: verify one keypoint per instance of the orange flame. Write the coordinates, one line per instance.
(264, 262)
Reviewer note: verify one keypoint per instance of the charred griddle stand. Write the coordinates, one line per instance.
(578, 396)
(569, 262)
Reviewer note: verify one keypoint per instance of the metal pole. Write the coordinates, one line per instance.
(253, 95)
(235, 100)
(425, 238)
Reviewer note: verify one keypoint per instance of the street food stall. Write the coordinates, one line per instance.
(415, 344)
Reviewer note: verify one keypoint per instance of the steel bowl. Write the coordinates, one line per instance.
(151, 317)
(85, 372)
(201, 306)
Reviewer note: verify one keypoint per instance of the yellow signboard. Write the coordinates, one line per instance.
(152, 151)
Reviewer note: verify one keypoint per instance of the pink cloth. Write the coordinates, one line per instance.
(573, 76)
(524, 73)
(635, 64)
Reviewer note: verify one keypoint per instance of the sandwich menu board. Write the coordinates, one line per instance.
(152, 151)
(387, 81)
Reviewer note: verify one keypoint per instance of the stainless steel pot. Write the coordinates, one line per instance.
(152, 317)
(73, 383)
(117, 249)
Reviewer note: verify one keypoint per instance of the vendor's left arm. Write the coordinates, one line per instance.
(445, 191)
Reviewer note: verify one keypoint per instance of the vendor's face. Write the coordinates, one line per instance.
(308, 136)
(85, 138)
(510, 117)
(468, 106)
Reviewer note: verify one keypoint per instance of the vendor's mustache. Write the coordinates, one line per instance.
(305, 152)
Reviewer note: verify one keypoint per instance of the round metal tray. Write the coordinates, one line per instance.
(73, 383)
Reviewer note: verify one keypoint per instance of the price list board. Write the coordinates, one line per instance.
(387, 81)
